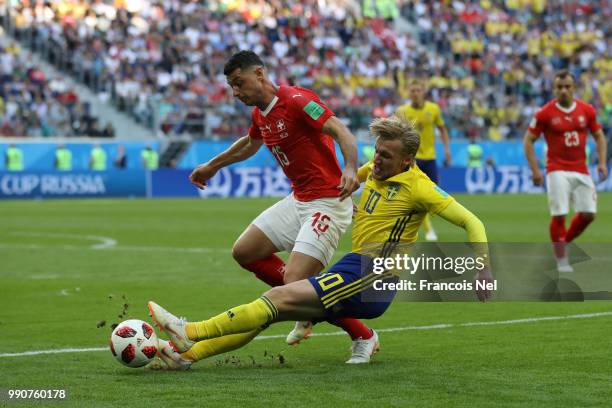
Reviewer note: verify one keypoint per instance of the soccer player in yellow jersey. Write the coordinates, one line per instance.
(396, 198)
(424, 116)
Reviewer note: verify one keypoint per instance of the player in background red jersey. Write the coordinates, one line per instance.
(566, 122)
(299, 129)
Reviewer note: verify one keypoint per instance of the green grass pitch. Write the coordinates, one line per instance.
(60, 275)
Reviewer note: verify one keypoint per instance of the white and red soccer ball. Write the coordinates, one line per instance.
(134, 343)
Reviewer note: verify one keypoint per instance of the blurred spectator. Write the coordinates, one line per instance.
(97, 158)
(63, 158)
(31, 105)
(120, 160)
(149, 158)
(109, 130)
(474, 151)
(13, 159)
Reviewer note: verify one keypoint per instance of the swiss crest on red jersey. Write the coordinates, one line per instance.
(582, 121)
(280, 125)
(556, 120)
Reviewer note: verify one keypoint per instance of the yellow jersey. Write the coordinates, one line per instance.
(393, 210)
(424, 120)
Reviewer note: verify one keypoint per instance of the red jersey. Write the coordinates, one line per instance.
(565, 131)
(291, 128)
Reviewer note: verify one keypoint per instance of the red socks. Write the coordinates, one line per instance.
(353, 327)
(578, 225)
(557, 235)
(560, 237)
(269, 270)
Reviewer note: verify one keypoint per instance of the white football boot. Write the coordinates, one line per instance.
(301, 331)
(168, 358)
(431, 235)
(563, 265)
(172, 325)
(362, 350)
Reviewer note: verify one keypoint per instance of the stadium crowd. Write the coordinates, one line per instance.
(33, 105)
(489, 64)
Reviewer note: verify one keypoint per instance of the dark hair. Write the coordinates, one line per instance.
(564, 73)
(242, 59)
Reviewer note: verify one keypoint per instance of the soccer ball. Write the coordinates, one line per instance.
(133, 343)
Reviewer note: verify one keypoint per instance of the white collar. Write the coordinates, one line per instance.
(566, 110)
(270, 106)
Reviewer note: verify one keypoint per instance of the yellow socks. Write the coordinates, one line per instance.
(208, 348)
(240, 319)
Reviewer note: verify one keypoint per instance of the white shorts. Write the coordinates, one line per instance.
(567, 188)
(313, 228)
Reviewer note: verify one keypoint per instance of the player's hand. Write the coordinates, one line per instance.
(484, 276)
(602, 169)
(447, 158)
(538, 178)
(201, 174)
(349, 183)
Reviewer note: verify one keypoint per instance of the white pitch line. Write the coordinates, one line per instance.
(340, 333)
(56, 351)
(136, 248)
(104, 242)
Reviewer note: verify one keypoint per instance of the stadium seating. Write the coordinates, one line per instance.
(36, 106)
(490, 63)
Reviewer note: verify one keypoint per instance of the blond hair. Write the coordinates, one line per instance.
(392, 128)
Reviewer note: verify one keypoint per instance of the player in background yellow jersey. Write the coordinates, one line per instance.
(396, 198)
(425, 116)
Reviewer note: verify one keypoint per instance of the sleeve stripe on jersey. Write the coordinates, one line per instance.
(401, 228)
(396, 233)
(396, 228)
(389, 245)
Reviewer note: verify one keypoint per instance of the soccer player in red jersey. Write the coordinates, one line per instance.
(566, 122)
(299, 129)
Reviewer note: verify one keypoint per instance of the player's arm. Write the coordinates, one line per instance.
(364, 171)
(340, 133)
(439, 122)
(444, 137)
(240, 150)
(602, 154)
(536, 174)
(460, 216)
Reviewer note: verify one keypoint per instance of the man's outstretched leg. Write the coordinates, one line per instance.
(189, 344)
(295, 301)
(172, 359)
